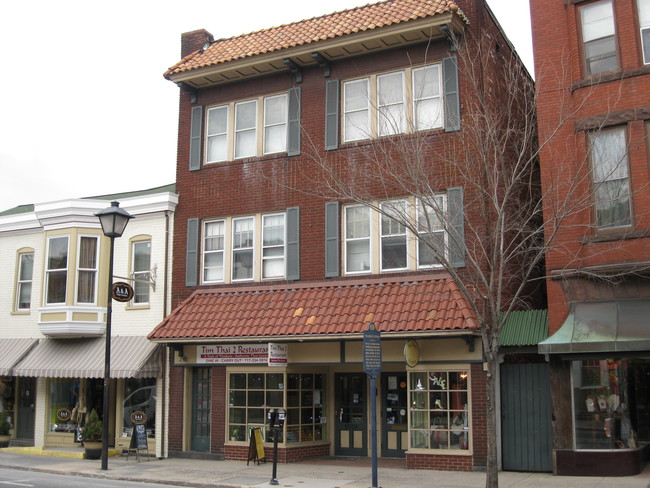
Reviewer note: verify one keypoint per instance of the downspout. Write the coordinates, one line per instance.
(166, 371)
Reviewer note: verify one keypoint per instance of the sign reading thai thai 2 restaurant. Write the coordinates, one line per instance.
(270, 354)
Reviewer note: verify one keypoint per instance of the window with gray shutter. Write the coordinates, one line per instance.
(192, 252)
(293, 133)
(456, 226)
(452, 100)
(332, 114)
(332, 239)
(195, 138)
(293, 243)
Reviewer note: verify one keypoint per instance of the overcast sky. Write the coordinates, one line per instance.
(84, 109)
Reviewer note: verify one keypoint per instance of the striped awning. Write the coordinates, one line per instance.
(131, 357)
(12, 351)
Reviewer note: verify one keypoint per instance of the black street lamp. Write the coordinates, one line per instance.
(113, 220)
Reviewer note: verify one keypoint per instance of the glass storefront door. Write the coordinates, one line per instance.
(350, 419)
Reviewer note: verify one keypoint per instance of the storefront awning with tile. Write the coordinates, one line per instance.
(611, 326)
(131, 357)
(12, 351)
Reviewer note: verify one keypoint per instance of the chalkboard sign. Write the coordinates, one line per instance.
(139, 438)
(256, 447)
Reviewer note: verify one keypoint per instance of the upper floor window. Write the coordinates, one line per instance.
(644, 24)
(388, 230)
(231, 247)
(56, 272)
(598, 37)
(238, 130)
(608, 150)
(392, 103)
(141, 271)
(87, 269)
(24, 281)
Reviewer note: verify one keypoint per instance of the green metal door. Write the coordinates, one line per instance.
(526, 417)
(350, 423)
(201, 409)
(394, 416)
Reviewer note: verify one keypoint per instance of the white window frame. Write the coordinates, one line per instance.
(420, 97)
(643, 9)
(140, 275)
(363, 130)
(435, 228)
(92, 270)
(391, 111)
(222, 251)
(401, 232)
(618, 170)
(588, 37)
(349, 241)
(245, 130)
(273, 125)
(209, 136)
(266, 258)
(49, 271)
(243, 249)
(24, 281)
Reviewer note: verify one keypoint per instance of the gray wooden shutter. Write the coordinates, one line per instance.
(293, 243)
(451, 96)
(192, 253)
(332, 265)
(456, 213)
(195, 138)
(332, 114)
(293, 132)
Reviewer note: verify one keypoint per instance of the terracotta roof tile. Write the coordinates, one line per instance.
(316, 29)
(415, 304)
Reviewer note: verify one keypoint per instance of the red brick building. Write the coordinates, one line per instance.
(275, 281)
(592, 64)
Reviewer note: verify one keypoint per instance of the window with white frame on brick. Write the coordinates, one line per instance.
(241, 129)
(599, 37)
(610, 173)
(393, 103)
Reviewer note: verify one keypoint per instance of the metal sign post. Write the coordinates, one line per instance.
(372, 367)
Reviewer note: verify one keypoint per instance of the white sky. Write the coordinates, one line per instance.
(84, 108)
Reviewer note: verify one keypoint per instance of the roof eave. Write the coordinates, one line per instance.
(334, 49)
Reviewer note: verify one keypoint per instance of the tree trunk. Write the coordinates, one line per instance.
(492, 460)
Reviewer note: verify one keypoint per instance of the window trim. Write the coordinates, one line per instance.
(346, 240)
(223, 251)
(20, 282)
(49, 271)
(283, 246)
(404, 234)
(134, 274)
(445, 233)
(243, 249)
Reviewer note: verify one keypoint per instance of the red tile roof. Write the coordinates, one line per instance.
(413, 304)
(329, 26)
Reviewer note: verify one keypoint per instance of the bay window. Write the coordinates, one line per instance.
(599, 37)
(56, 272)
(24, 281)
(87, 269)
(608, 151)
(439, 410)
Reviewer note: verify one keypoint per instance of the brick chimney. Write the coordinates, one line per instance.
(194, 40)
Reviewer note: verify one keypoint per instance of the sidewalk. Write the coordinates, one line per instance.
(324, 473)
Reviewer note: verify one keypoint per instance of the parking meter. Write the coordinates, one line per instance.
(273, 414)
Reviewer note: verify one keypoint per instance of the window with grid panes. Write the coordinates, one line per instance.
(439, 410)
(305, 407)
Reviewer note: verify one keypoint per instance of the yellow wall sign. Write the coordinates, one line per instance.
(411, 353)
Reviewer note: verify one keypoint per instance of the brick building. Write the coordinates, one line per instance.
(592, 61)
(275, 281)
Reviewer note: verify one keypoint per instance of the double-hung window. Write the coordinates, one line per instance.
(431, 232)
(24, 282)
(357, 239)
(273, 245)
(608, 149)
(599, 37)
(56, 272)
(243, 238)
(393, 235)
(393, 103)
(214, 245)
(644, 25)
(141, 271)
(238, 130)
(87, 269)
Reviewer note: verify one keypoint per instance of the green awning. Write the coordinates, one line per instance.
(612, 326)
(525, 328)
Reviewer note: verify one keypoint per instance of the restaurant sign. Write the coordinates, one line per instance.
(270, 354)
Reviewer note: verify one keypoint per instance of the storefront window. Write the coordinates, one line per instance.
(439, 412)
(71, 400)
(251, 395)
(610, 398)
(139, 396)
